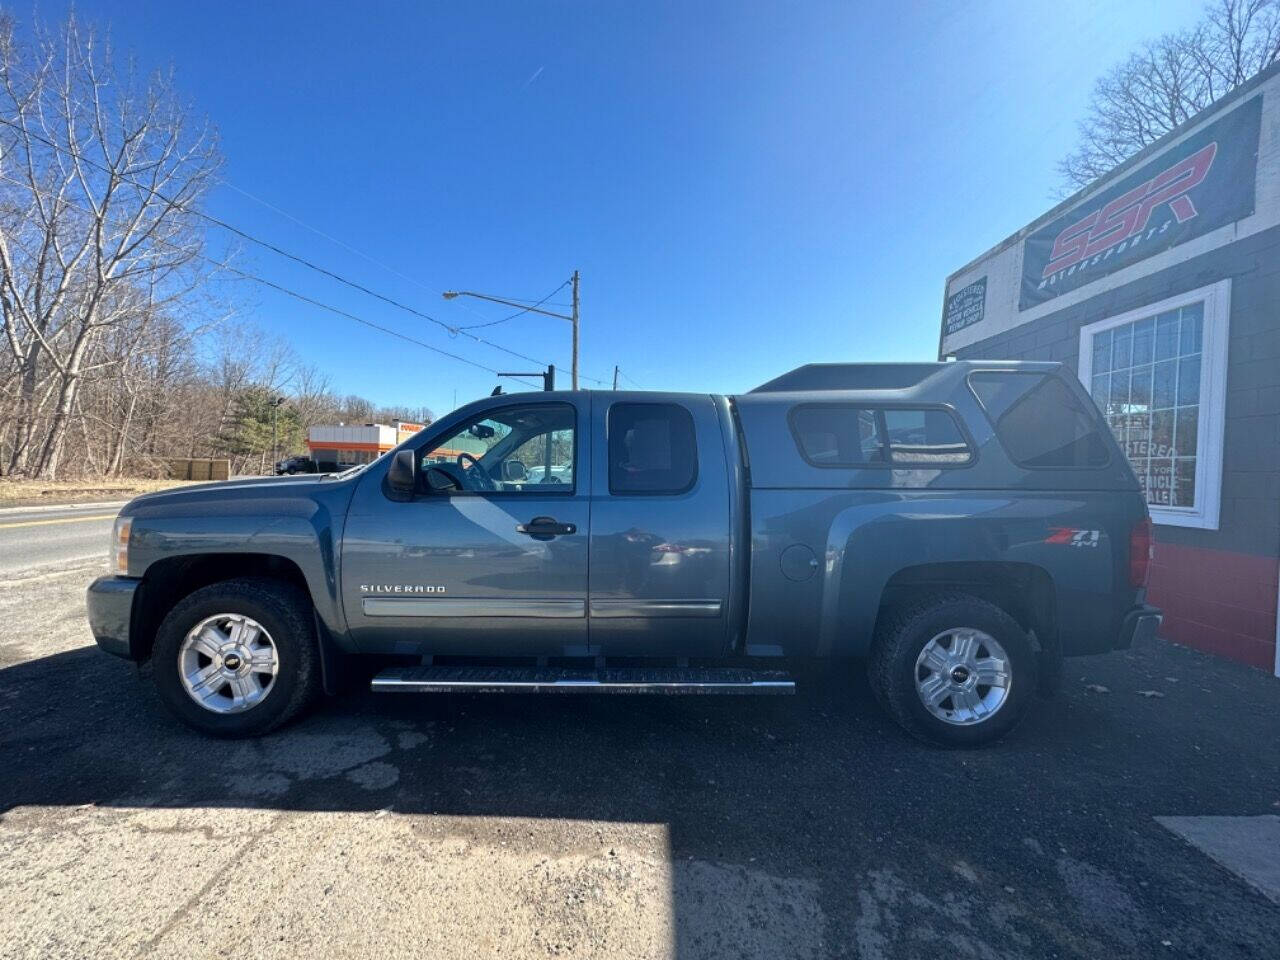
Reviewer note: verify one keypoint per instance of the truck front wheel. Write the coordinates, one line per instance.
(237, 658)
(953, 669)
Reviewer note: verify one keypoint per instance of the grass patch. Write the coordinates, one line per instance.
(26, 493)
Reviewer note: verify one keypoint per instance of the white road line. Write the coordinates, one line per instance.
(43, 523)
(49, 507)
(1247, 846)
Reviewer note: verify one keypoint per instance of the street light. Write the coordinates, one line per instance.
(573, 318)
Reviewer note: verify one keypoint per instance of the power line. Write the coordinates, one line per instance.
(265, 244)
(304, 298)
(351, 316)
(519, 313)
(404, 276)
(544, 303)
(341, 243)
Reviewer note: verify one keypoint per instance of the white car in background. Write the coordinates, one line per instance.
(561, 474)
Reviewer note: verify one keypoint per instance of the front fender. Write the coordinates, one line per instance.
(304, 530)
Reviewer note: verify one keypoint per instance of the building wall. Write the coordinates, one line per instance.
(1002, 265)
(350, 444)
(355, 437)
(405, 430)
(1216, 582)
(1218, 587)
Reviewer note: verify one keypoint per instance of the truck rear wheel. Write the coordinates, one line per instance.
(952, 669)
(237, 658)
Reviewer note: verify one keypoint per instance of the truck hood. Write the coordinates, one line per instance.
(248, 488)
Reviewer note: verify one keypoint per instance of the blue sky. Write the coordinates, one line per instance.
(745, 187)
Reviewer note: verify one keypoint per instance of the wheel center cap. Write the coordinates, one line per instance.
(232, 661)
(960, 674)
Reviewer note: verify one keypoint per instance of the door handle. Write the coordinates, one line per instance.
(546, 528)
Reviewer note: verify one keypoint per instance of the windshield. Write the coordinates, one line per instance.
(356, 469)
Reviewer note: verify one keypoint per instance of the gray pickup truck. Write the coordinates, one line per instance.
(961, 527)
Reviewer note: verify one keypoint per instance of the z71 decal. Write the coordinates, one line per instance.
(1071, 537)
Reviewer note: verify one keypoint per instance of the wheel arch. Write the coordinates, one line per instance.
(169, 580)
(1023, 590)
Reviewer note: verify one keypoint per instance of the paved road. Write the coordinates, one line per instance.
(45, 537)
(630, 827)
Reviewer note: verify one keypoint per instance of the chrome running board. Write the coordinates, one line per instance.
(671, 680)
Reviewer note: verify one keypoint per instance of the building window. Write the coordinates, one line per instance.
(1159, 376)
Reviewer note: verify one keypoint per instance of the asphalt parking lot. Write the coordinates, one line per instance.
(624, 827)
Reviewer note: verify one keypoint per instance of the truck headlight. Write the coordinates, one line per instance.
(119, 559)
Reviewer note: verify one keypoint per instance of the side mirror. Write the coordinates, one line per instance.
(513, 471)
(402, 474)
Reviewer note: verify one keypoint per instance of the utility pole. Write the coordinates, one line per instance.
(275, 410)
(615, 377)
(525, 308)
(575, 329)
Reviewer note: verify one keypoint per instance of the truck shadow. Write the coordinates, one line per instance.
(814, 808)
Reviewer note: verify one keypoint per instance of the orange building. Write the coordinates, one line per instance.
(343, 444)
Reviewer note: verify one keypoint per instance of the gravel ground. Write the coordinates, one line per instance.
(621, 827)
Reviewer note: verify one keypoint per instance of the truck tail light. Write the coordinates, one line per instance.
(1142, 546)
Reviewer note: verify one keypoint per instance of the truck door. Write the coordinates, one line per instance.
(490, 556)
(660, 525)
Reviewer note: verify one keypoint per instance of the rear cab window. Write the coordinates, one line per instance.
(854, 436)
(652, 449)
(1040, 421)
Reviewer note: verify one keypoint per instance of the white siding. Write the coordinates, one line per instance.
(368, 433)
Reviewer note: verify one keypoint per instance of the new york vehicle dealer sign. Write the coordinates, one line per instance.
(1203, 183)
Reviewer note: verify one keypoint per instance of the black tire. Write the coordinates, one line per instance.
(291, 471)
(285, 612)
(904, 631)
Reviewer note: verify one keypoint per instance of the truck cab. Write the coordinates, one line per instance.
(529, 519)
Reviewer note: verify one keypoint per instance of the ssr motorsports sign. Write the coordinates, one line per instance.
(1203, 183)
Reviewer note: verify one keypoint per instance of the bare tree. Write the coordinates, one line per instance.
(1168, 81)
(101, 173)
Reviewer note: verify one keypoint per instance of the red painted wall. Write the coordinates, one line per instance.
(1217, 601)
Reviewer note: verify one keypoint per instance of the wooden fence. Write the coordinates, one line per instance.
(197, 469)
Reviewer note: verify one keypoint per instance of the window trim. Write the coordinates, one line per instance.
(429, 443)
(881, 406)
(1210, 430)
(608, 450)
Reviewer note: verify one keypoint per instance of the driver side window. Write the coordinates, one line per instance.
(523, 448)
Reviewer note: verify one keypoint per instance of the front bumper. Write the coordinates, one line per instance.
(1140, 624)
(110, 602)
